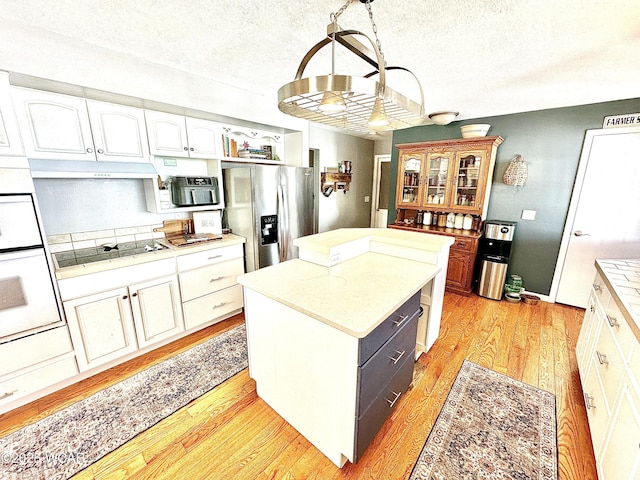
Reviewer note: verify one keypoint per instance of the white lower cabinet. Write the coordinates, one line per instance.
(157, 312)
(101, 327)
(608, 356)
(111, 324)
(209, 285)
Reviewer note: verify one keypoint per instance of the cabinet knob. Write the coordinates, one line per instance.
(89, 150)
(134, 294)
(192, 149)
(597, 287)
(124, 297)
(186, 149)
(100, 151)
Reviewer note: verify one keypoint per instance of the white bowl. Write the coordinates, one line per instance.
(475, 130)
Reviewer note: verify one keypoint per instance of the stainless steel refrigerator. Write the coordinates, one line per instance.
(269, 205)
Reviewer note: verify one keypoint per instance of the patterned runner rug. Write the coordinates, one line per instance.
(70, 440)
(491, 427)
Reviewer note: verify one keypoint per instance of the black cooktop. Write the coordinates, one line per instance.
(98, 254)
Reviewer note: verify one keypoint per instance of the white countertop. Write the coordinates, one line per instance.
(623, 279)
(352, 279)
(170, 252)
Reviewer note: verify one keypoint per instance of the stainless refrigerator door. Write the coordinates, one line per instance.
(296, 211)
(265, 195)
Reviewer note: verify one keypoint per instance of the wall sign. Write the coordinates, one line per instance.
(626, 120)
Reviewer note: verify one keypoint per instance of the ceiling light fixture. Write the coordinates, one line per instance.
(355, 103)
(443, 118)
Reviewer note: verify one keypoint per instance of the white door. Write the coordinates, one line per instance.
(119, 132)
(167, 134)
(54, 126)
(157, 311)
(203, 137)
(380, 192)
(101, 327)
(603, 220)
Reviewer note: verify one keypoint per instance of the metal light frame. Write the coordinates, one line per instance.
(303, 97)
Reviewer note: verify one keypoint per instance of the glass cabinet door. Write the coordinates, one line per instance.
(438, 168)
(409, 178)
(467, 181)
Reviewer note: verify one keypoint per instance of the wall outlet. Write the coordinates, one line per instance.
(366, 199)
(528, 215)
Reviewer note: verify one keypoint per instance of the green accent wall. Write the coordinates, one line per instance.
(551, 143)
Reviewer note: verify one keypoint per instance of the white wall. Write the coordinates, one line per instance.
(342, 210)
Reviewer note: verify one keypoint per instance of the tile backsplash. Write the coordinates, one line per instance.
(96, 238)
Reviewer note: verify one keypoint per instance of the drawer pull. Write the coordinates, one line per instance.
(7, 394)
(215, 279)
(602, 358)
(219, 305)
(403, 318)
(592, 308)
(393, 402)
(588, 399)
(613, 321)
(396, 359)
(596, 287)
(214, 257)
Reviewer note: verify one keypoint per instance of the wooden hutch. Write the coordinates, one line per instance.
(443, 188)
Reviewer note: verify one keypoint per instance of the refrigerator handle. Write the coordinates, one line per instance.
(283, 241)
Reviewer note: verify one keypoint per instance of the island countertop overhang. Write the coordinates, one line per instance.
(351, 279)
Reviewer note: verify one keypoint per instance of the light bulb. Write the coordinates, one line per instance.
(332, 103)
(378, 116)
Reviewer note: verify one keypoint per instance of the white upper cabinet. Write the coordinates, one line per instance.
(119, 132)
(178, 136)
(10, 141)
(59, 127)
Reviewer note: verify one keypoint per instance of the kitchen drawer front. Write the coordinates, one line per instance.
(385, 363)
(212, 306)
(38, 378)
(209, 257)
(33, 349)
(609, 363)
(464, 244)
(620, 328)
(369, 423)
(383, 332)
(205, 280)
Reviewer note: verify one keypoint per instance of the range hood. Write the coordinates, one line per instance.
(90, 169)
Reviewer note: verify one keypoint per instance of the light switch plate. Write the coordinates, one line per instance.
(528, 215)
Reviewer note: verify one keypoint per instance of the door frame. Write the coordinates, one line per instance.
(375, 190)
(587, 146)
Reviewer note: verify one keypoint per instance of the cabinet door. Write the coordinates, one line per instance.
(167, 134)
(437, 175)
(101, 327)
(53, 126)
(10, 141)
(157, 311)
(468, 183)
(119, 132)
(620, 457)
(458, 271)
(584, 346)
(597, 412)
(203, 137)
(409, 178)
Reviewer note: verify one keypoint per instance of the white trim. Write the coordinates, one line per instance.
(375, 191)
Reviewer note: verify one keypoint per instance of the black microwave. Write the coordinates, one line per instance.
(187, 191)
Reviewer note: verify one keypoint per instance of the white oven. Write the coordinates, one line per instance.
(27, 295)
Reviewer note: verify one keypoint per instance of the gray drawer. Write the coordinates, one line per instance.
(385, 363)
(369, 423)
(383, 332)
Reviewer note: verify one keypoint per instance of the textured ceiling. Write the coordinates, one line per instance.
(480, 57)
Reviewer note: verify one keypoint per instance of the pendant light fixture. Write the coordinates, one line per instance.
(360, 104)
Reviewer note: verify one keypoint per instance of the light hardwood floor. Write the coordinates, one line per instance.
(230, 433)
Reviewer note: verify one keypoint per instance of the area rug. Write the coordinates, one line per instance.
(62, 444)
(491, 427)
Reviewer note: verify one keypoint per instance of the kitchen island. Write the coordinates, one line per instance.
(333, 335)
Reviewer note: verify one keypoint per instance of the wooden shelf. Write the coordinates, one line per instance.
(340, 181)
